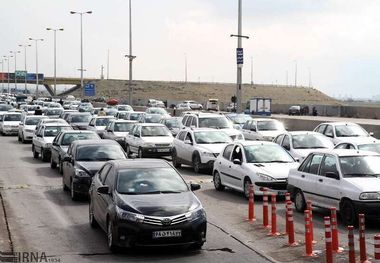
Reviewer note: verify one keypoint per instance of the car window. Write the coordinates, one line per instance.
(329, 131)
(194, 122)
(227, 151)
(184, 119)
(103, 173)
(246, 125)
(136, 131)
(328, 165)
(321, 128)
(188, 137)
(181, 135)
(110, 178)
(286, 142)
(188, 122)
(237, 154)
(279, 139)
(304, 167)
(314, 164)
(343, 146)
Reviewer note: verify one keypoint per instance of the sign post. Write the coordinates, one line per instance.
(89, 90)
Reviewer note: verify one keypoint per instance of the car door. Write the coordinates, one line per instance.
(188, 148)
(330, 190)
(39, 139)
(108, 133)
(224, 163)
(55, 148)
(91, 125)
(68, 167)
(106, 200)
(135, 139)
(286, 144)
(178, 143)
(321, 128)
(232, 172)
(329, 132)
(98, 201)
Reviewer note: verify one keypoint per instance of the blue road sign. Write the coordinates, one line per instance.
(239, 56)
(89, 89)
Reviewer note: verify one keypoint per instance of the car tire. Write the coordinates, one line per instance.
(197, 163)
(175, 161)
(91, 218)
(73, 194)
(218, 182)
(197, 246)
(22, 138)
(60, 168)
(247, 183)
(53, 165)
(140, 153)
(19, 138)
(110, 237)
(43, 155)
(299, 201)
(348, 213)
(64, 186)
(35, 153)
(127, 150)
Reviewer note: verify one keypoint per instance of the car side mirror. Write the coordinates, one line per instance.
(297, 160)
(104, 190)
(195, 187)
(39, 135)
(237, 161)
(330, 135)
(55, 144)
(67, 159)
(21, 124)
(371, 133)
(109, 130)
(286, 147)
(253, 129)
(136, 135)
(332, 175)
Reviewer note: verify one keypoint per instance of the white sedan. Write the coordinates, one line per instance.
(263, 164)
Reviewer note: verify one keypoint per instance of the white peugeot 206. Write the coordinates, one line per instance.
(261, 163)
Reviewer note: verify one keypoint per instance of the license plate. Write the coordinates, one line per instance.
(163, 150)
(167, 233)
(281, 193)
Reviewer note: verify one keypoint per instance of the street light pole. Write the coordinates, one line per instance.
(36, 42)
(2, 77)
(81, 46)
(7, 59)
(55, 56)
(108, 64)
(185, 68)
(295, 74)
(15, 54)
(130, 56)
(25, 46)
(251, 70)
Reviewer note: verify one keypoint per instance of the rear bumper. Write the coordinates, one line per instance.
(156, 151)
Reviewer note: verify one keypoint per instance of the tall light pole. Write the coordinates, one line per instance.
(55, 56)
(108, 64)
(25, 46)
(239, 55)
(309, 77)
(81, 46)
(2, 77)
(130, 56)
(36, 42)
(15, 55)
(185, 68)
(295, 74)
(251, 70)
(7, 59)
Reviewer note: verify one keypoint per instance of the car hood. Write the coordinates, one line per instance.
(214, 148)
(120, 134)
(365, 184)
(159, 204)
(90, 167)
(158, 139)
(302, 153)
(30, 127)
(275, 170)
(270, 133)
(231, 131)
(64, 148)
(356, 140)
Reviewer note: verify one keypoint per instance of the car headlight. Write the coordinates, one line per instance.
(265, 177)
(207, 154)
(81, 173)
(199, 213)
(129, 216)
(149, 145)
(369, 196)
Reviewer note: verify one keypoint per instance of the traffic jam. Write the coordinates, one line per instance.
(127, 164)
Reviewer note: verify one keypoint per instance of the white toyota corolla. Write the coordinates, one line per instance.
(261, 163)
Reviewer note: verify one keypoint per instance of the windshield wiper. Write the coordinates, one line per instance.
(160, 192)
(217, 142)
(276, 161)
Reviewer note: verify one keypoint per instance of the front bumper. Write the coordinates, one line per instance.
(82, 184)
(370, 209)
(157, 151)
(129, 234)
(10, 130)
(278, 188)
(28, 136)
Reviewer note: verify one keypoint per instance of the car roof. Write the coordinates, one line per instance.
(12, 112)
(264, 119)
(80, 113)
(103, 117)
(78, 131)
(141, 163)
(345, 152)
(56, 124)
(151, 124)
(248, 143)
(302, 132)
(95, 142)
(340, 123)
(201, 129)
(124, 121)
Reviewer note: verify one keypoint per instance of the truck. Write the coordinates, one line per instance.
(259, 106)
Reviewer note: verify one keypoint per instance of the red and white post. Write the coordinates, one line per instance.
(328, 238)
(308, 240)
(334, 231)
(251, 204)
(274, 217)
(291, 238)
(265, 208)
(310, 208)
(351, 245)
(287, 199)
(377, 248)
(362, 245)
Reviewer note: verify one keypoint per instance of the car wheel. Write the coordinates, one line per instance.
(247, 183)
(53, 164)
(73, 194)
(22, 138)
(110, 237)
(43, 155)
(60, 168)
(299, 201)
(127, 150)
(348, 213)
(196, 164)
(140, 153)
(64, 186)
(218, 181)
(91, 218)
(19, 138)
(175, 161)
(35, 154)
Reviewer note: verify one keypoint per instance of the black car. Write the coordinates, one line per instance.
(146, 202)
(61, 143)
(79, 120)
(83, 159)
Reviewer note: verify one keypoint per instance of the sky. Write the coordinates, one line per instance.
(334, 43)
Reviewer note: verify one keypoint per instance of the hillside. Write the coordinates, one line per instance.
(177, 91)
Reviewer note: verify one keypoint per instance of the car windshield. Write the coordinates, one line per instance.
(373, 147)
(32, 121)
(265, 153)
(150, 181)
(152, 118)
(360, 166)
(52, 131)
(124, 108)
(350, 130)
(173, 123)
(53, 112)
(70, 137)
(121, 115)
(102, 121)
(211, 137)
(240, 119)
(12, 117)
(123, 127)
(31, 107)
(270, 125)
(80, 118)
(5, 107)
(149, 131)
(93, 153)
(311, 141)
(134, 116)
(214, 122)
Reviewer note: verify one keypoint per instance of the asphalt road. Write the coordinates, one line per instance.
(42, 218)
